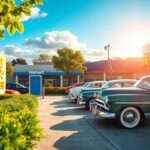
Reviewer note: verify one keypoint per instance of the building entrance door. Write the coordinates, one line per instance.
(35, 84)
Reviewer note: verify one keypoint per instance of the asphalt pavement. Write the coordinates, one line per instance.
(68, 126)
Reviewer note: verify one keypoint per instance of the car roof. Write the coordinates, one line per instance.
(122, 80)
(97, 81)
(147, 76)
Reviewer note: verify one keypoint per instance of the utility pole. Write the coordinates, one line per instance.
(108, 61)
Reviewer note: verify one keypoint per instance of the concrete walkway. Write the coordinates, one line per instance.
(65, 127)
(47, 110)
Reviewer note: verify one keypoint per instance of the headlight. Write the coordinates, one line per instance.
(80, 96)
(106, 99)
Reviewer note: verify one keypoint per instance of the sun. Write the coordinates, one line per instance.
(131, 40)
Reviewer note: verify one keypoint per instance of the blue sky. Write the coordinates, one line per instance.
(90, 24)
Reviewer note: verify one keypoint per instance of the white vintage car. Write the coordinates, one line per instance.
(74, 92)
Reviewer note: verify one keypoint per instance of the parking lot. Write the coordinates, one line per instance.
(70, 126)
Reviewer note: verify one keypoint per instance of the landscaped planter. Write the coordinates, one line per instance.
(18, 121)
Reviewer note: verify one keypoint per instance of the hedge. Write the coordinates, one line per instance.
(55, 90)
(18, 122)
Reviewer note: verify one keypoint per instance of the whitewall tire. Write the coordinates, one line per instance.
(130, 117)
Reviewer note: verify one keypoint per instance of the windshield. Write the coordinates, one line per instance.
(22, 85)
(106, 85)
(85, 85)
(143, 84)
(82, 84)
(137, 83)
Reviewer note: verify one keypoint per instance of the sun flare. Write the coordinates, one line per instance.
(132, 38)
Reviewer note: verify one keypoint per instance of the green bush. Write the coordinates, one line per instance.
(55, 90)
(18, 122)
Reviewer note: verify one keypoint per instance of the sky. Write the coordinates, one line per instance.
(86, 25)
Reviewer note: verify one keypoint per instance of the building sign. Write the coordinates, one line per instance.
(36, 72)
(2, 74)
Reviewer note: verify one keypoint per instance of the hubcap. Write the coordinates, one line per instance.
(129, 117)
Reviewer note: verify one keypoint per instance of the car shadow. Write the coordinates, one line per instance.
(63, 104)
(92, 132)
(72, 112)
(85, 136)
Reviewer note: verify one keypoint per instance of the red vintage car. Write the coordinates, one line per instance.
(8, 91)
(75, 85)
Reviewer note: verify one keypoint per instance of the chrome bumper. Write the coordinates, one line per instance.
(80, 101)
(71, 98)
(104, 114)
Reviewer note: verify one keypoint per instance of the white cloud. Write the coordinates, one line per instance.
(48, 44)
(13, 51)
(51, 41)
(35, 13)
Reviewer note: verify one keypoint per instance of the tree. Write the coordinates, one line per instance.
(9, 69)
(11, 13)
(69, 61)
(18, 61)
(42, 58)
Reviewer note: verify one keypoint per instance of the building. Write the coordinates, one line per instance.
(49, 76)
(37, 76)
(128, 68)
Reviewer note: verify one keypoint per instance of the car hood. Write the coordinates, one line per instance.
(76, 89)
(90, 90)
(131, 90)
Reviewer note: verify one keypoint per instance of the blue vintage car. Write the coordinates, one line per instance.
(128, 105)
(87, 96)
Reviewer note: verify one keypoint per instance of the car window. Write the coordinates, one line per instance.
(106, 85)
(146, 84)
(8, 85)
(16, 86)
(96, 85)
(127, 84)
(117, 85)
(90, 85)
(100, 85)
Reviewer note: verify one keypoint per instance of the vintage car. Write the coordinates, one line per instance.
(18, 87)
(128, 105)
(73, 86)
(74, 92)
(87, 96)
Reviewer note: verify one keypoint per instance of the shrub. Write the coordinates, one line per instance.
(55, 90)
(18, 121)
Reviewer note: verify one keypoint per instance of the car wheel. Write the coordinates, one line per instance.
(129, 117)
(90, 102)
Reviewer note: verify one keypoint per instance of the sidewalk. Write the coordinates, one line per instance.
(48, 107)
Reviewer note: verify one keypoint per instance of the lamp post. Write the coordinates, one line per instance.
(108, 60)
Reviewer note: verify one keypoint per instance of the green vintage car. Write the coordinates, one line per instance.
(128, 105)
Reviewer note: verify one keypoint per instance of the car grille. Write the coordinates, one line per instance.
(101, 104)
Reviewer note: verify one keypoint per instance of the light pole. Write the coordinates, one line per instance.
(108, 60)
